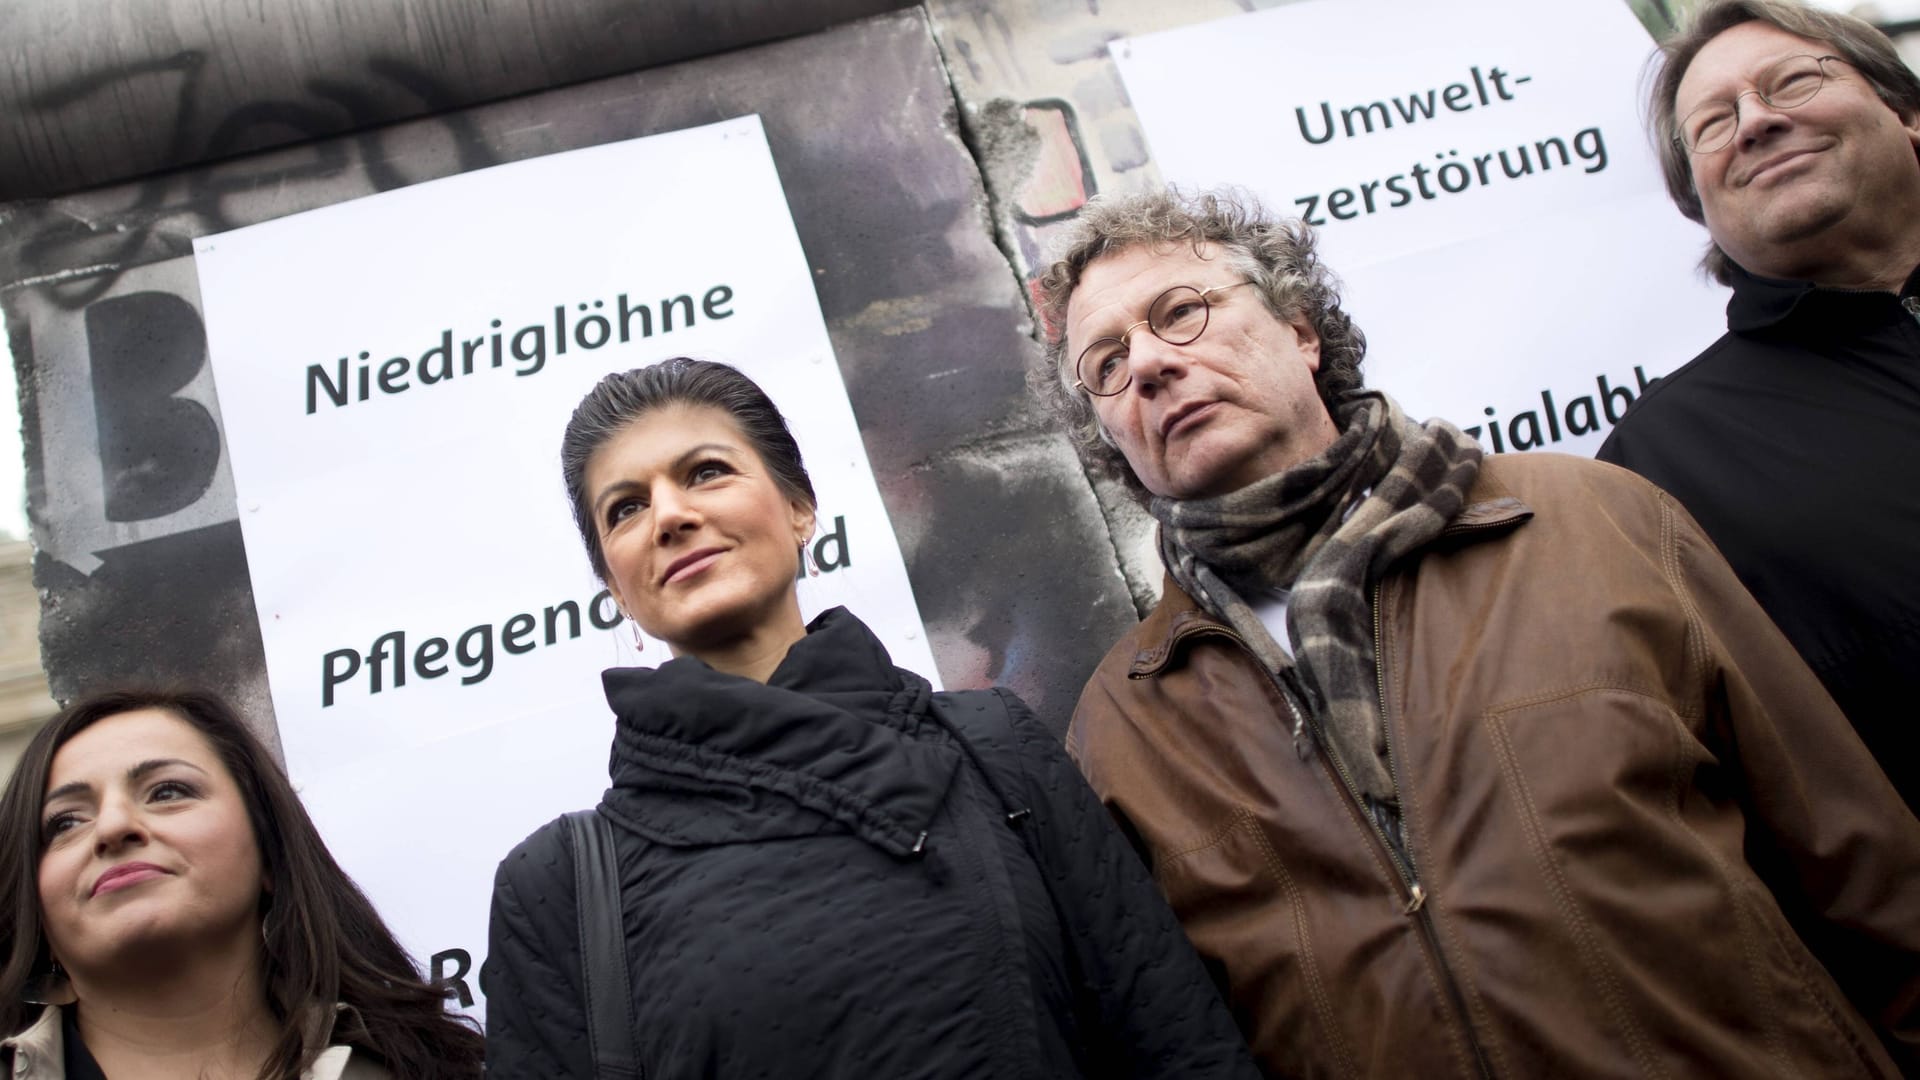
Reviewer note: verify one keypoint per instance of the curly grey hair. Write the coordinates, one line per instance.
(1863, 47)
(1276, 254)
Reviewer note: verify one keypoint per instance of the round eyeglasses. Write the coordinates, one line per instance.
(1178, 317)
(1788, 84)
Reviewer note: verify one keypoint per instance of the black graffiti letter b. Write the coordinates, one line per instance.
(158, 453)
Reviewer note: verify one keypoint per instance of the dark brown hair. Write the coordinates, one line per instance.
(1863, 47)
(623, 397)
(324, 943)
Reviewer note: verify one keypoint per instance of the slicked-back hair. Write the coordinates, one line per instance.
(1864, 48)
(323, 942)
(1276, 254)
(624, 397)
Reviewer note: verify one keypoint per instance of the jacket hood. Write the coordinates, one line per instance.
(835, 741)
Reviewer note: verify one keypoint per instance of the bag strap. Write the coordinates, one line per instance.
(999, 719)
(603, 947)
(1017, 817)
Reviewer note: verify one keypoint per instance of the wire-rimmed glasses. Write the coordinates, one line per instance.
(1788, 84)
(1178, 317)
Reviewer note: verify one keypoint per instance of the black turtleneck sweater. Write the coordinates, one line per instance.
(820, 878)
(1794, 440)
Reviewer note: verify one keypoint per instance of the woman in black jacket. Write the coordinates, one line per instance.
(825, 869)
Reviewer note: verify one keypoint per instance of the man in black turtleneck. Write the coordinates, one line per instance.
(1791, 134)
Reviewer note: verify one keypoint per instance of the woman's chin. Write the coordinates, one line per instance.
(125, 949)
(729, 628)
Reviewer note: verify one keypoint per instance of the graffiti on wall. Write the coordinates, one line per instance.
(165, 211)
(925, 323)
(139, 551)
(128, 421)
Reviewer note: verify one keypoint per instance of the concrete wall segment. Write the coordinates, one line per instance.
(97, 93)
(1049, 121)
(926, 318)
(926, 182)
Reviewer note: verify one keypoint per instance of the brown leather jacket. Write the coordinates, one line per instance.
(1642, 840)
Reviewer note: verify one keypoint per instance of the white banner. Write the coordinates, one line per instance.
(395, 374)
(1479, 178)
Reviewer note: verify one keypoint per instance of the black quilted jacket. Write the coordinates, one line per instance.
(820, 879)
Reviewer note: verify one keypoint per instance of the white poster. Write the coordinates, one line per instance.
(1479, 178)
(395, 374)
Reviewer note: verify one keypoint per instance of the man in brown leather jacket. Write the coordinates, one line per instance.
(1454, 766)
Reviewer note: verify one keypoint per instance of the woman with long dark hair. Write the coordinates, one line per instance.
(170, 911)
(819, 867)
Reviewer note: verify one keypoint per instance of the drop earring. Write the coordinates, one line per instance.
(639, 643)
(51, 988)
(806, 560)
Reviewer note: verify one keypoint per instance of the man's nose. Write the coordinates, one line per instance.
(1153, 362)
(1755, 119)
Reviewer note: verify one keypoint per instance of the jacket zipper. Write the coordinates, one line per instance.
(1449, 533)
(1415, 906)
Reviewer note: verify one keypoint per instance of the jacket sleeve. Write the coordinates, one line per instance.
(1155, 1012)
(536, 1017)
(1826, 830)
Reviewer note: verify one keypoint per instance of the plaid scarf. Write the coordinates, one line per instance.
(1294, 530)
